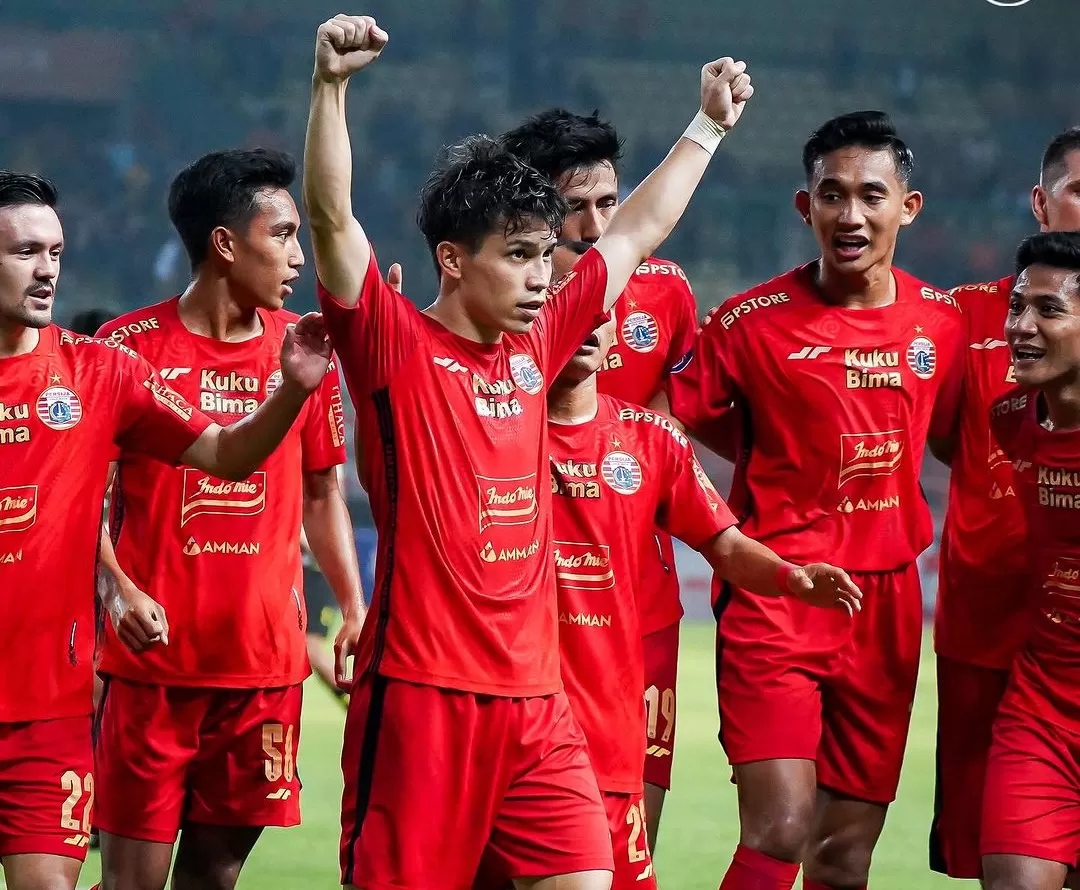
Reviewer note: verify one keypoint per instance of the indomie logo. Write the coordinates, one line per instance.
(507, 501)
(208, 495)
(18, 508)
(869, 454)
(583, 566)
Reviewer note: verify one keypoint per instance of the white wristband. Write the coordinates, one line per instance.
(705, 132)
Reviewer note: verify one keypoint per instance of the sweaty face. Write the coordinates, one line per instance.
(1043, 326)
(266, 256)
(591, 354)
(31, 241)
(592, 195)
(1057, 200)
(504, 283)
(856, 204)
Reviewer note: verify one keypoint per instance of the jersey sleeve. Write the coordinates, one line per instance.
(322, 438)
(151, 418)
(701, 387)
(374, 338)
(944, 419)
(1007, 416)
(684, 323)
(575, 308)
(690, 508)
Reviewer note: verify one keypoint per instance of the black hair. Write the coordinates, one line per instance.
(557, 141)
(221, 189)
(1056, 152)
(864, 129)
(578, 247)
(25, 188)
(481, 187)
(1059, 250)
(89, 321)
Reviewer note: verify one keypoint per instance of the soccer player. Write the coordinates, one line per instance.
(618, 472)
(1031, 805)
(459, 660)
(218, 707)
(656, 320)
(839, 371)
(67, 403)
(982, 607)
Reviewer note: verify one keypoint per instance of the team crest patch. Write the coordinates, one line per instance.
(922, 357)
(273, 382)
(525, 373)
(59, 408)
(639, 332)
(622, 472)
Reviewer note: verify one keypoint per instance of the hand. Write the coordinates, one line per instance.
(825, 586)
(306, 352)
(393, 277)
(138, 620)
(345, 644)
(345, 44)
(725, 89)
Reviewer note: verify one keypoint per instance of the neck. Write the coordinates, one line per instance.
(861, 290)
(17, 340)
(572, 402)
(1063, 405)
(208, 308)
(449, 311)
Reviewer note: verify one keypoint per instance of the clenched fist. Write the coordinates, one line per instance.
(725, 89)
(345, 44)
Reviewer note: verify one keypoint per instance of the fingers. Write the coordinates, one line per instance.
(741, 90)
(393, 278)
(716, 67)
(355, 32)
(343, 650)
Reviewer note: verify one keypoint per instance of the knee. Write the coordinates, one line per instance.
(840, 862)
(120, 877)
(782, 834)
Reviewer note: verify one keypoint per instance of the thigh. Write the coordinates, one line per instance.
(146, 741)
(551, 820)
(245, 773)
(1005, 872)
(425, 772)
(1031, 802)
(46, 790)
(210, 857)
(661, 651)
(37, 871)
(867, 699)
(968, 699)
(629, 842)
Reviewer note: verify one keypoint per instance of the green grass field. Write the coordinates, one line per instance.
(700, 824)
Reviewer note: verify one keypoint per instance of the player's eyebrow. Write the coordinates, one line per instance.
(35, 246)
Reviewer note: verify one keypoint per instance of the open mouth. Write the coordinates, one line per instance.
(850, 246)
(531, 308)
(589, 346)
(1026, 355)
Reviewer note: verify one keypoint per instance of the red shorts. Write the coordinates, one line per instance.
(46, 787)
(438, 781)
(169, 755)
(629, 842)
(661, 650)
(968, 699)
(815, 684)
(1031, 804)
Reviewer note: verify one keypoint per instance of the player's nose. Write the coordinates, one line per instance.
(592, 225)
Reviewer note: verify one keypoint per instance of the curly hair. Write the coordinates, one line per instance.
(558, 141)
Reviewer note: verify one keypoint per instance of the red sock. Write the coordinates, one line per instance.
(751, 870)
(814, 885)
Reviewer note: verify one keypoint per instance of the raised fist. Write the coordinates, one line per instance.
(345, 44)
(725, 89)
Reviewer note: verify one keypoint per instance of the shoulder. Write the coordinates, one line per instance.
(1012, 409)
(971, 296)
(760, 304)
(648, 426)
(138, 323)
(659, 271)
(95, 351)
(931, 299)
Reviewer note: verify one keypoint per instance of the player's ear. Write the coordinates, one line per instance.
(448, 257)
(913, 202)
(802, 205)
(223, 244)
(1038, 207)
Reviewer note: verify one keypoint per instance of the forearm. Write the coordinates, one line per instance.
(328, 157)
(746, 563)
(331, 542)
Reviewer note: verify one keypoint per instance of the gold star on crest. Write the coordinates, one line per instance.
(631, 303)
(54, 378)
(615, 443)
(918, 329)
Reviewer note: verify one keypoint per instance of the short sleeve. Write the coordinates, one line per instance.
(374, 338)
(700, 387)
(575, 308)
(684, 323)
(691, 509)
(322, 437)
(946, 412)
(151, 418)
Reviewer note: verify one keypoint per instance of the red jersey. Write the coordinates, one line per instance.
(655, 321)
(836, 406)
(222, 558)
(454, 459)
(981, 613)
(1046, 673)
(615, 480)
(65, 408)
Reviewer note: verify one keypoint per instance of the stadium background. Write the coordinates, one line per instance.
(111, 97)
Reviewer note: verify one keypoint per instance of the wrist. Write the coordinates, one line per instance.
(782, 578)
(705, 132)
(327, 81)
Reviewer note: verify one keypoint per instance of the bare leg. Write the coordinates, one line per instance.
(842, 844)
(129, 864)
(1002, 872)
(211, 856)
(40, 871)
